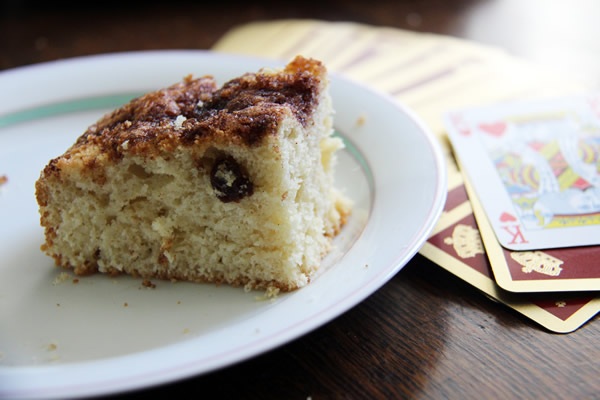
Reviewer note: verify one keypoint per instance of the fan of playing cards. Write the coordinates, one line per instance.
(532, 175)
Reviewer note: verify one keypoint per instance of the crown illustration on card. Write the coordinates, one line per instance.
(538, 261)
(466, 241)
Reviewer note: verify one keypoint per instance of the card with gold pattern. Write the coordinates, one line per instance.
(547, 270)
(456, 246)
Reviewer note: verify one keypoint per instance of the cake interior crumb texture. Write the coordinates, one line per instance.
(200, 183)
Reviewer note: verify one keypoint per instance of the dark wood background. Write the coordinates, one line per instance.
(425, 334)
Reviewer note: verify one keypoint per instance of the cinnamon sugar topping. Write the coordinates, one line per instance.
(247, 108)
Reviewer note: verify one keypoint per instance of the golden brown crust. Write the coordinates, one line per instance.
(244, 110)
(252, 103)
(90, 268)
(218, 278)
(193, 112)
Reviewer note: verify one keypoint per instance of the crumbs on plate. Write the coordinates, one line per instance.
(147, 283)
(270, 293)
(62, 277)
(361, 120)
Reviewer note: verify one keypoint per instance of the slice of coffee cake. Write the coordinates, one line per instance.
(198, 183)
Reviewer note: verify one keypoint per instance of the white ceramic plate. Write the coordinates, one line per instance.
(65, 339)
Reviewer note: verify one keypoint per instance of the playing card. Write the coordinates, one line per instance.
(456, 246)
(535, 167)
(548, 270)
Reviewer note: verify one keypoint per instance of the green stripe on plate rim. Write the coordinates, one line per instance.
(117, 100)
(50, 110)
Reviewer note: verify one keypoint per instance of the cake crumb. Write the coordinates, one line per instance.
(51, 347)
(57, 304)
(270, 293)
(178, 301)
(179, 121)
(3, 179)
(361, 120)
(147, 283)
(125, 304)
(75, 280)
(62, 277)
(186, 331)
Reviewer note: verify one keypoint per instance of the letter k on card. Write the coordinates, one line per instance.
(514, 232)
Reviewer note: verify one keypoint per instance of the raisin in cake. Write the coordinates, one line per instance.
(198, 183)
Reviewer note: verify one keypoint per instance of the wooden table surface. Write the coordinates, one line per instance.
(426, 333)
